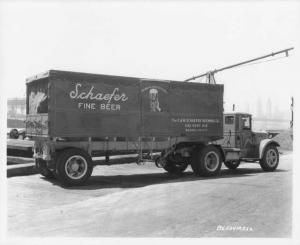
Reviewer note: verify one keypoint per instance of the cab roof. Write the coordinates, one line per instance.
(237, 113)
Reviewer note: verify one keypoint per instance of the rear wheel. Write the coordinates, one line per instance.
(232, 165)
(74, 166)
(206, 161)
(270, 159)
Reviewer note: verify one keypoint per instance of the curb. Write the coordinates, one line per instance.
(21, 169)
(18, 160)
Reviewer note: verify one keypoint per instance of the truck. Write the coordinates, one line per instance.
(73, 116)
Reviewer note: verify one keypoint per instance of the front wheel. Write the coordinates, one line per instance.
(270, 159)
(74, 166)
(206, 161)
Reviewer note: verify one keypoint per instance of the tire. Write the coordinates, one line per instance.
(270, 159)
(174, 167)
(43, 170)
(73, 167)
(206, 161)
(14, 134)
(232, 165)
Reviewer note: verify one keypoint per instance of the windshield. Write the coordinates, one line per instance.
(246, 122)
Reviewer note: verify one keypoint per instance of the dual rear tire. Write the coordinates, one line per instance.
(206, 161)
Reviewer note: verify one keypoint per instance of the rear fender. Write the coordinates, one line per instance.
(264, 143)
(221, 151)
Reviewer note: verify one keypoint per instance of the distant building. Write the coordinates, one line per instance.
(259, 112)
(269, 109)
(16, 108)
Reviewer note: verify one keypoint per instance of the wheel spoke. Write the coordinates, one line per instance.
(76, 167)
(271, 157)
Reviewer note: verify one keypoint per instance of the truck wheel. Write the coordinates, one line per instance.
(14, 134)
(74, 166)
(43, 170)
(270, 159)
(206, 161)
(174, 167)
(232, 165)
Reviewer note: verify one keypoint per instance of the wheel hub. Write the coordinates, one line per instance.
(271, 157)
(76, 167)
(211, 161)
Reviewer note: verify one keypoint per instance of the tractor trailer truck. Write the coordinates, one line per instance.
(74, 116)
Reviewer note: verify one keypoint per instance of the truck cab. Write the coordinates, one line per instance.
(238, 134)
(241, 142)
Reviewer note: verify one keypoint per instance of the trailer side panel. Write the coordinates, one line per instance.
(101, 106)
(89, 105)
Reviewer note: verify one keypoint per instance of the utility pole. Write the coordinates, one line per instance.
(292, 111)
(292, 119)
(210, 74)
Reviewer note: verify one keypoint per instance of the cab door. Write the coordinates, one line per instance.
(229, 135)
(245, 138)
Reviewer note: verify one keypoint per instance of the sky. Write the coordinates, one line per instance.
(170, 40)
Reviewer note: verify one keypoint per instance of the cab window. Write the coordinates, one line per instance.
(246, 122)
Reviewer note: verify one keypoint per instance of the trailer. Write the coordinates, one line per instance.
(74, 116)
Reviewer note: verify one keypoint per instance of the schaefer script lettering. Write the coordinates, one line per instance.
(91, 95)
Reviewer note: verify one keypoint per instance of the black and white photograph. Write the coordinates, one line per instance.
(149, 119)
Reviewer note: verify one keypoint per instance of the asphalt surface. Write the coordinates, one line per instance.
(143, 201)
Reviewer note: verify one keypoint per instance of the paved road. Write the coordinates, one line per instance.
(142, 201)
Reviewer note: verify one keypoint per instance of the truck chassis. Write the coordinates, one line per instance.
(70, 160)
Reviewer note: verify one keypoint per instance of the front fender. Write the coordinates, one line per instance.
(264, 143)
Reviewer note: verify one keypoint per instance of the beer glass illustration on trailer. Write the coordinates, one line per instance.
(154, 103)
